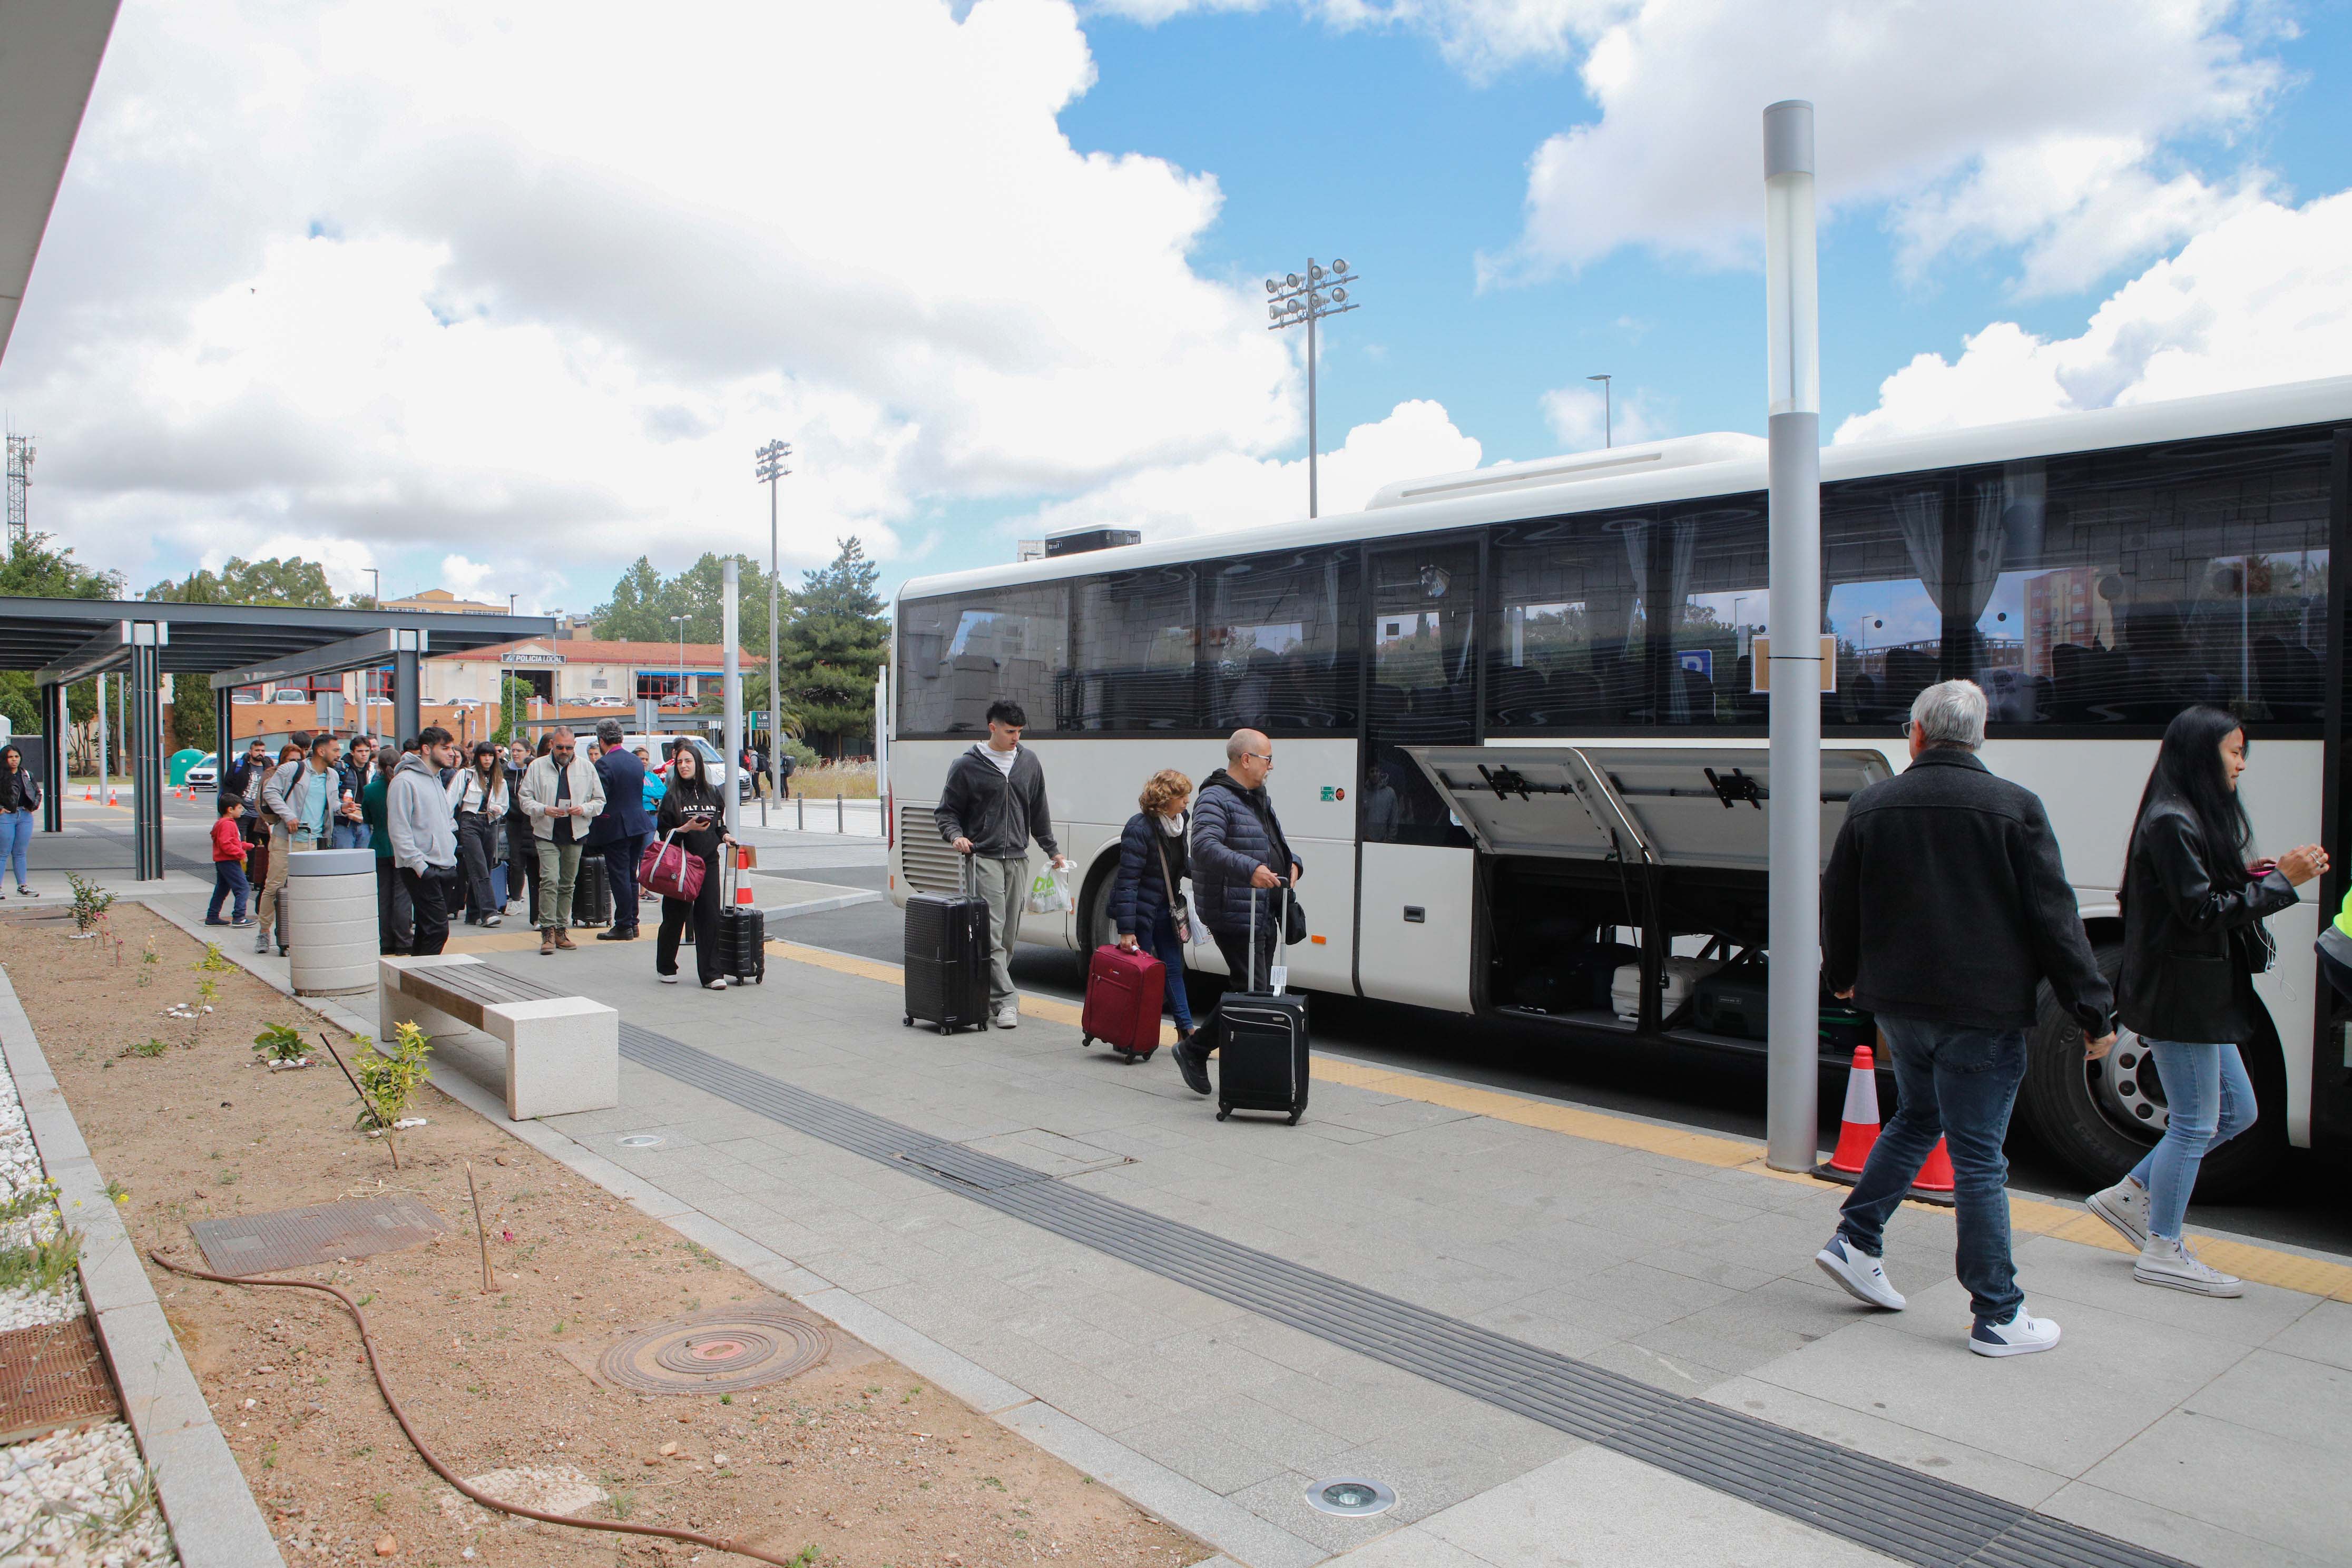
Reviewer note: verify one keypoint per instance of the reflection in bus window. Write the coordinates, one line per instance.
(959, 654)
(1279, 639)
(1568, 637)
(1134, 636)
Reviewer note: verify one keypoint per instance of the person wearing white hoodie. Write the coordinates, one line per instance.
(424, 832)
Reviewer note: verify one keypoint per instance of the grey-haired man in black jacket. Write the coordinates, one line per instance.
(993, 805)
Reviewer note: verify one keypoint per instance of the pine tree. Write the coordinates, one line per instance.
(836, 639)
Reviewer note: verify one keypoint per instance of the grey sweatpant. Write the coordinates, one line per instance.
(1005, 885)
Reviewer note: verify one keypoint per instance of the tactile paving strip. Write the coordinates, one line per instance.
(319, 1232)
(52, 1376)
(1887, 1507)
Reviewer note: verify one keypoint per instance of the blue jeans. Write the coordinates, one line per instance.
(16, 840)
(350, 836)
(228, 877)
(2209, 1099)
(1957, 1083)
(1162, 943)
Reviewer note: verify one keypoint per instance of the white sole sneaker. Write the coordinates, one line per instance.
(1008, 1020)
(2181, 1269)
(1859, 1275)
(2128, 1219)
(667, 978)
(2021, 1335)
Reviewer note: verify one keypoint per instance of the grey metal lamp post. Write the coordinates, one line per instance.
(771, 469)
(679, 622)
(1293, 299)
(1608, 421)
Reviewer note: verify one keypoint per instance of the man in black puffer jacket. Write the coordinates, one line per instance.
(1239, 856)
(994, 803)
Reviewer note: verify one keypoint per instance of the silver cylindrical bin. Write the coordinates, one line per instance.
(328, 921)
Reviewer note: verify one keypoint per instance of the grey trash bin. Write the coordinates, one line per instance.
(331, 908)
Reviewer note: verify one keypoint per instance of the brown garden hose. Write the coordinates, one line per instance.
(375, 1364)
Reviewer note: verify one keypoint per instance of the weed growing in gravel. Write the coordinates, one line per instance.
(26, 1202)
(150, 1047)
(147, 960)
(40, 1265)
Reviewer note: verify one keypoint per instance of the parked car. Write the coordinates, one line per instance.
(657, 746)
(205, 775)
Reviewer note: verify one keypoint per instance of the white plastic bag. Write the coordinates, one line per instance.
(1049, 893)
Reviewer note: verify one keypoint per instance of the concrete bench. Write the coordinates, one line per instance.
(563, 1053)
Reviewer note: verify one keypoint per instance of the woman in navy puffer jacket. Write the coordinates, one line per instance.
(1144, 904)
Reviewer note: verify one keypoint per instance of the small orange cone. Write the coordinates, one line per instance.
(1858, 1127)
(1936, 1176)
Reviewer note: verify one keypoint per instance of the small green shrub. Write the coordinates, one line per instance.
(151, 1047)
(389, 1081)
(40, 1265)
(281, 1043)
(91, 903)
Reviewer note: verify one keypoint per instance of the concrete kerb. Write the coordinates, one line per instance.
(1245, 1539)
(214, 1518)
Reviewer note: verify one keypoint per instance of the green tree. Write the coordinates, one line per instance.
(836, 639)
(35, 570)
(194, 722)
(292, 582)
(514, 709)
(644, 601)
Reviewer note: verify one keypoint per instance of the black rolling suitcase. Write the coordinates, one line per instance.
(743, 929)
(947, 958)
(1262, 1056)
(592, 892)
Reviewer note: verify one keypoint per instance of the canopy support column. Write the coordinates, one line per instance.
(146, 739)
(407, 699)
(56, 733)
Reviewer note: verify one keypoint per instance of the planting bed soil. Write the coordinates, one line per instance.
(856, 1461)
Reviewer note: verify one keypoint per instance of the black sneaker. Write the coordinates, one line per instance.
(1194, 1063)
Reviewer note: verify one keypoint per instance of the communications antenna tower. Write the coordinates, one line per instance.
(20, 473)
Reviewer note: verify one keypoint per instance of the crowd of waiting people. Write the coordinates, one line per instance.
(477, 836)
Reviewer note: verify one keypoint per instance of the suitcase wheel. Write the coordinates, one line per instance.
(1294, 1118)
(1085, 1042)
(908, 1021)
(1224, 1112)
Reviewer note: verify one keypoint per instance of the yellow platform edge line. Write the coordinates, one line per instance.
(2036, 1216)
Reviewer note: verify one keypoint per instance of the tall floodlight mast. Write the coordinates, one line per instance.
(1292, 300)
(771, 469)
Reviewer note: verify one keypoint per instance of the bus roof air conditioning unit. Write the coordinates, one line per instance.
(1078, 541)
(1609, 463)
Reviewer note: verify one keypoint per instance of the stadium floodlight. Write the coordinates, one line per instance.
(1303, 300)
(771, 469)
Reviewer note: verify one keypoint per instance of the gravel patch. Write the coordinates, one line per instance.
(21, 1176)
(79, 1500)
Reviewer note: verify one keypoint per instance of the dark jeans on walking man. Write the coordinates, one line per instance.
(228, 877)
(522, 864)
(1958, 1084)
(478, 850)
(428, 904)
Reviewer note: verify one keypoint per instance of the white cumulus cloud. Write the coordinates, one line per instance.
(2264, 297)
(1582, 420)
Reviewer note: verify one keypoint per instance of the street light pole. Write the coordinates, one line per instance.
(679, 622)
(771, 469)
(367, 681)
(1608, 422)
(1293, 299)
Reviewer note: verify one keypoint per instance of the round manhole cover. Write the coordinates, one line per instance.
(714, 1355)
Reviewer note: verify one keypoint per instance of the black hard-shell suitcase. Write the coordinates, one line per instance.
(743, 929)
(947, 958)
(592, 894)
(1261, 1046)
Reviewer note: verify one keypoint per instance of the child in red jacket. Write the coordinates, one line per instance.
(229, 865)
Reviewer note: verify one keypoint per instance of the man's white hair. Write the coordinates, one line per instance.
(1951, 713)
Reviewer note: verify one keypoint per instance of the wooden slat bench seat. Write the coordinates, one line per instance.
(563, 1052)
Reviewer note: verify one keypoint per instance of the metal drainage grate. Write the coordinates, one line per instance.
(1901, 1513)
(52, 1376)
(320, 1233)
(1350, 1497)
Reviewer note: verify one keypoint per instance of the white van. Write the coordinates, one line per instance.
(721, 770)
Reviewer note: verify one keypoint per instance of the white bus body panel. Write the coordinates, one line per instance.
(1426, 963)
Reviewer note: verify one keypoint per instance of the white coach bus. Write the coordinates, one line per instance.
(1518, 744)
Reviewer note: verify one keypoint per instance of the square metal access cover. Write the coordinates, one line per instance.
(320, 1233)
(51, 1376)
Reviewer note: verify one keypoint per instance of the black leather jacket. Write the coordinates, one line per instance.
(2183, 979)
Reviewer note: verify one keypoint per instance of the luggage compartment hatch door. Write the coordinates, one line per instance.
(1708, 806)
(1530, 800)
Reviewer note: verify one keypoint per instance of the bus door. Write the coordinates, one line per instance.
(1416, 876)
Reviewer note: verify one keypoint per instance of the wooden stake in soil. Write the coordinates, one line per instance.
(367, 1105)
(479, 1228)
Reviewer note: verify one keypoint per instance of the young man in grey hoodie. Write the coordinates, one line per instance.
(994, 803)
(424, 832)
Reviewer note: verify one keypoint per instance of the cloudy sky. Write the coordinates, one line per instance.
(499, 296)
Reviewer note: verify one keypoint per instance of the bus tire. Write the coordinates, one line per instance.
(1096, 930)
(2061, 1104)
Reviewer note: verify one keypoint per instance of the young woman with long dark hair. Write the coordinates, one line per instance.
(20, 796)
(478, 796)
(694, 811)
(2193, 904)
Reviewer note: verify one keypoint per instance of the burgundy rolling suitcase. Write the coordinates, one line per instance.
(1123, 993)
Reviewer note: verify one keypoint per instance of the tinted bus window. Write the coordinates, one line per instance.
(961, 653)
(1135, 635)
(1570, 634)
(1278, 641)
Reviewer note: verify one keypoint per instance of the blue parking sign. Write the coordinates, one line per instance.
(1699, 661)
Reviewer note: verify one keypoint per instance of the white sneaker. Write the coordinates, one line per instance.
(2169, 1263)
(718, 985)
(667, 978)
(2124, 1206)
(1008, 1017)
(1862, 1277)
(261, 942)
(2021, 1335)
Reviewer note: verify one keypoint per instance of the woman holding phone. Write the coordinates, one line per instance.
(2193, 901)
(693, 811)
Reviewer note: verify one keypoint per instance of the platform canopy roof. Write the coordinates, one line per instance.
(58, 633)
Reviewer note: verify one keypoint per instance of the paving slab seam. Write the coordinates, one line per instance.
(1877, 1503)
(1242, 1539)
(214, 1520)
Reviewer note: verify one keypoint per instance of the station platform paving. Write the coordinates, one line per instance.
(1631, 1260)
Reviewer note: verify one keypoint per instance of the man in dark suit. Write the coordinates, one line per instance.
(621, 829)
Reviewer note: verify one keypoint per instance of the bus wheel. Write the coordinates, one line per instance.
(2101, 1117)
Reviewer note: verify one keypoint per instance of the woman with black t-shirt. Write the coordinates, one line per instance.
(693, 810)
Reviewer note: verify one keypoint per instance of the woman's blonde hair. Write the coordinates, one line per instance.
(1161, 787)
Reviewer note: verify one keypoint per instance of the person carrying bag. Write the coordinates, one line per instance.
(1147, 909)
(692, 821)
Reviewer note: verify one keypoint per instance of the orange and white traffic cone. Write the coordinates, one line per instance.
(1935, 1180)
(1858, 1127)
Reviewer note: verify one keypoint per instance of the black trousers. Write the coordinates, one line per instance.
(522, 865)
(478, 848)
(395, 926)
(621, 857)
(428, 894)
(704, 909)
